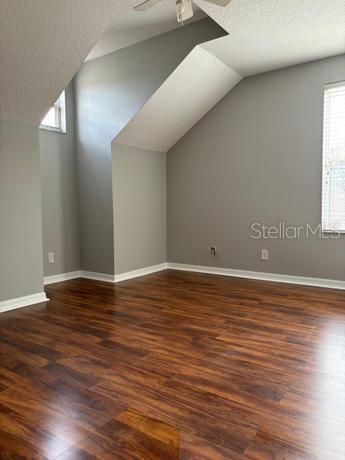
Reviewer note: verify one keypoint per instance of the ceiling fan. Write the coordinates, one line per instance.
(184, 8)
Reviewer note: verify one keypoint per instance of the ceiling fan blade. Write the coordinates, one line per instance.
(146, 5)
(219, 2)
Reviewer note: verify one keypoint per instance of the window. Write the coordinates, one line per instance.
(55, 119)
(333, 163)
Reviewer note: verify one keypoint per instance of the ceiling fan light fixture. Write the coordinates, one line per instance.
(179, 10)
(184, 10)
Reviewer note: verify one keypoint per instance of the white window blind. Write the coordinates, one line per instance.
(55, 119)
(333, 161)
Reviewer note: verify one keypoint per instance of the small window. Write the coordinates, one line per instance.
(55, 119)
(333, 162)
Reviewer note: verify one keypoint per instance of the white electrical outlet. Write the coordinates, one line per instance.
(264, 254)
(213, 250)
(51, 257)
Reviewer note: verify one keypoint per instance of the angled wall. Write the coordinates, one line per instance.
(191, 90)
(109, 90)
(194, 87)
(256, 157)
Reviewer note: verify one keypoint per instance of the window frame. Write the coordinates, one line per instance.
(326, 165)
(60, 115)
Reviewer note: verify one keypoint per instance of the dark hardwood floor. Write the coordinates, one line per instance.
(175, 365)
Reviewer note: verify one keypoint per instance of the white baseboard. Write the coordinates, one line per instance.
(104, 276)
(97, 276)
(20, 302)
(123, 276)
(140, 272)
(279, 278)
(303, 280)
(61, 277)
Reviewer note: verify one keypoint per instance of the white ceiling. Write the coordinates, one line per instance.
(42, 45)
(263, 34)
(271, 34)
(130, 26)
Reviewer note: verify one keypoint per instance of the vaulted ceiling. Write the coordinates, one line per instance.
(42, 45)
(195, 86)
(263, 34)
(271, 34)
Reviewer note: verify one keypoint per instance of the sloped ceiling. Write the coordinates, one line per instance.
(263, 35)
(271, 34)
(195, 86)
(42, 45)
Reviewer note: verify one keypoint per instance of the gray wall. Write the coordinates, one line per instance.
(256, 157)
(60, 210)
(140, 207)
(21, 267)
(109, 90)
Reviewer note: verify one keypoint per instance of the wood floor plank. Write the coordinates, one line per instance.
(175, 365)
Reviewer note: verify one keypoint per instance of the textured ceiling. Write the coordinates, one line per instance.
(130, 26)
(42, 45)
(270, 34)
(263, 34)
(194, 87)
